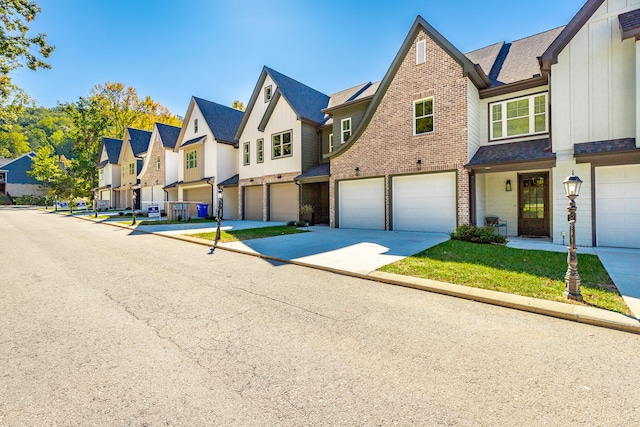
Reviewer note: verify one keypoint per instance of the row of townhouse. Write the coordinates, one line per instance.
(445, 138)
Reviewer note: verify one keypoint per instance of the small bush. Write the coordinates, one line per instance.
(30, 200)
(471, 233)
(296, 224)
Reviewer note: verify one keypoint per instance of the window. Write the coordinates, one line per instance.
(281, 144)
(267, 94)
(260, 150)
(192, 159)
(421, 52)
(345, 125)
(195, 125)
(330, 142)
(245, 153)
(423, 116)
(101, 174)
(132, 168)
(521, 116)
(123, 172)
(158, 163)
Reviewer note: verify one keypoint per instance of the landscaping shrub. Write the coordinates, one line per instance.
(471, 233)
(297, 224)
(30, 200)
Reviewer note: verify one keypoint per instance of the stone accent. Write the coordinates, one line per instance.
(151, 174)
(388, 147)
(17, 190)
(264, 181)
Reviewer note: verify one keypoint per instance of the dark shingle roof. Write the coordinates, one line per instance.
(113, 147)
(323, 169)
(139, 140)
(231, 181)
(223, 121)
(630, 24)
(512, 62)
(194, 140)
(538, 149)
(603, 147)
(308, 103)
(168, 135)
(17, 170)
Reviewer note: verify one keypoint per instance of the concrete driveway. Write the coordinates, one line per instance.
(357, 251)
(622, 266)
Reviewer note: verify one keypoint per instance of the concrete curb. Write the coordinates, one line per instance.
(576, 313)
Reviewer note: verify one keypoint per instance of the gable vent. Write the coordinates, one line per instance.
(421, 54)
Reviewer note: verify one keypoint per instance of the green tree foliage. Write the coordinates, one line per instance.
(13, 144)
(123, 108)
(46, 168)
(18, 49)
(238, 105)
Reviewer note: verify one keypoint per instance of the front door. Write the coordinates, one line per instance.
(533, 204)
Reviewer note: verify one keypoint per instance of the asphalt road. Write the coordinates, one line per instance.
(101, 326)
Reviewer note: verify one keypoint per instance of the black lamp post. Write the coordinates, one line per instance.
(219, 215)
(572, 278)
(133, 207)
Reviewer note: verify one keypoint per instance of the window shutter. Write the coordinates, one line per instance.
(421, 54)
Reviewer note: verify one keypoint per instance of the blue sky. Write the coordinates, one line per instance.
(215, 49)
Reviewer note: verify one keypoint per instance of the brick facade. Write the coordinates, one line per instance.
(388, 147)
(264, 181)
(153, 176)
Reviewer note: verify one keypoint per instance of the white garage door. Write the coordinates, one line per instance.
(253, 203)
(361, 204)
(424, 202)
(618, 206)
(283, 202)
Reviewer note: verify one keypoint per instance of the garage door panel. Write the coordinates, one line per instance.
(283, 204)
(618, 206)
(252, 203)
(230, 203)
(361, 204)
(425, 202)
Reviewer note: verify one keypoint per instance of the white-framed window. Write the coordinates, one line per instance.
(421, 52)
(132, 168)
(246, 155)
(158, 163)
(345, 130)
(195, 125)
(260, 150)
(423, 116)
(191, 158)
(123, 172)
(100, 174)
(267, 94)
(281, 145)
(527, 115)
(330, 142)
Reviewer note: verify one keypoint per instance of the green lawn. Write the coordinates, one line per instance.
(538, 274)
(250, 233)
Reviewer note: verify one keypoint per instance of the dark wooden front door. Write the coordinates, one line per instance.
(533, 204)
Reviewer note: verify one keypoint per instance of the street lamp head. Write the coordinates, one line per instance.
(219, 193)
(572, 186)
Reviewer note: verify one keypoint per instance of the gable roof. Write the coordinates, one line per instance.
(630, 24)
(550, 55)
(139, 140)
(473, 71)
(304, 100)
(112, 147)
(17, 170)
(222, 121)
(168, 135)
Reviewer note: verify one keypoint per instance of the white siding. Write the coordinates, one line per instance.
(227, 162)
(172, 166)
(493, 199)
(583, 202)
(283, 118)
(593, 83)
(474, 117)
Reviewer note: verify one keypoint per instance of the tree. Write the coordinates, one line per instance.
(18, 49)
(238, 105)
(89, 125)
(45, 167)
(13, 144)
(123, 108)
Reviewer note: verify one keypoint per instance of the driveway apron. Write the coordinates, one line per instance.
(622, 266)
